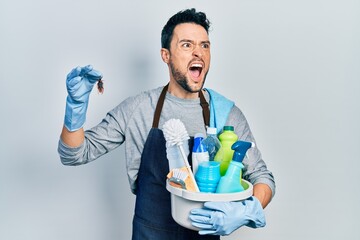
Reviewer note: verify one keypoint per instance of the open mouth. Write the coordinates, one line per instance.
(195, 69)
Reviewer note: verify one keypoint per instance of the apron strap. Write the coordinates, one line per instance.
(159, 106)
(204, 104)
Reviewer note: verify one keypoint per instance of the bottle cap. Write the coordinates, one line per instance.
(211, 130)
(228, 128)
(199, 135)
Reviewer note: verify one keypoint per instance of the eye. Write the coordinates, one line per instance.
(187, 45)
(205, 45)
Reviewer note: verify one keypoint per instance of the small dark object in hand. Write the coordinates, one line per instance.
(100, 86)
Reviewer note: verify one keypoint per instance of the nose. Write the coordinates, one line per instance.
(198, 51)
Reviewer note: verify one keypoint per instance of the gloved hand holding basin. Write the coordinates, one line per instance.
(222, 218)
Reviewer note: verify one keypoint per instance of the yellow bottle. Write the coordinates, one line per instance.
(225, 153)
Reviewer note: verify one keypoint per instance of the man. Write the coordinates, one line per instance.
(139, 120)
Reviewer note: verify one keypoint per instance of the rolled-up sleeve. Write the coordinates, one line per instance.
(71, 156)
(256, 171)
(102, 138)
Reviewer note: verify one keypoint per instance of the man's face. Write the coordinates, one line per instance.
(189, 57)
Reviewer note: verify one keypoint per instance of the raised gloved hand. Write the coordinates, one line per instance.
(222, 218)
(79, 83)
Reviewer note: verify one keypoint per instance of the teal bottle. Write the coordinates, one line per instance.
(231, 182)
(224, 155)
(207, 176)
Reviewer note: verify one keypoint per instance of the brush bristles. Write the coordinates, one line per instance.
(175, 132)
(180, 174)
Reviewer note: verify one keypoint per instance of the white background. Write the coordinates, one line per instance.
(293, 67)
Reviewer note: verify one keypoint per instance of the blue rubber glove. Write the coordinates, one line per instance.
(222, 218)
(79, 83)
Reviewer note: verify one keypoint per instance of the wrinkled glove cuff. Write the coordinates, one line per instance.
(257, 217)
(75, 115)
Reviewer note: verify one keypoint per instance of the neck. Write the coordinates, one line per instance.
(177, 91)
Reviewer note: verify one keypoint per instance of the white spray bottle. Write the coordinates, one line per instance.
(199, 152)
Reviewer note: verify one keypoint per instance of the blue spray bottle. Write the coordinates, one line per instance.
(231, 182)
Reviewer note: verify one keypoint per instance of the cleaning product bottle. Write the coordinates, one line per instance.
(231, 182)
(211, 142)
(199, 152)
(208, 176)
(227, 139)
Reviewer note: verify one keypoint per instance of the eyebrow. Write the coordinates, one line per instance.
(191, 41)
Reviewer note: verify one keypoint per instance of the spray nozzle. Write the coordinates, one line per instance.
(198, 146)
(240, 148)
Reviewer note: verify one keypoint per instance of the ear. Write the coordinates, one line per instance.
(165, 55)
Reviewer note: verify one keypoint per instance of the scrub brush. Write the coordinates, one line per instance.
(178, 178)
(175, 133)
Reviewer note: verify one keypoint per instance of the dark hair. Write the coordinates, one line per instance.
(185, 16)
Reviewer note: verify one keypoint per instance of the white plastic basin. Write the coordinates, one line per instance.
(183, 201)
